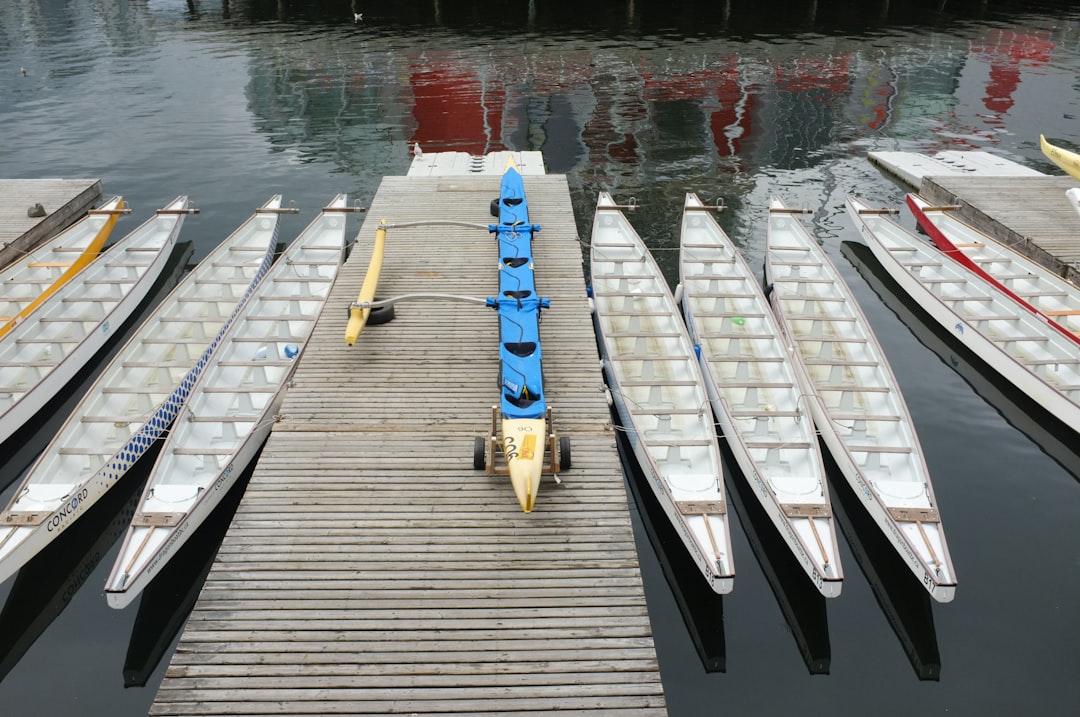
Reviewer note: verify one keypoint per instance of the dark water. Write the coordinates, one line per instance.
(233, 101)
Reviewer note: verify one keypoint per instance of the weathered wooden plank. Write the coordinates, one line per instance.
(464, 664)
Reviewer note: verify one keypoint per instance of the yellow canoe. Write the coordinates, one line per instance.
(30, 281)
(1069, 161)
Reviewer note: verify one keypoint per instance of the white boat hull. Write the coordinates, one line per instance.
(233, 406)
(1064, 404)
(164, 542)
(855, 400)
(32, 401)
(691, 538)
(54, 494)
(741, 353)
(649, 361)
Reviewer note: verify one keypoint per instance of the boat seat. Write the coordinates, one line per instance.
(856, 416)
(903, 490)
(879, 449)
(44, 494)
(164, 493)
(778, 444)
(798, 485)
(728, 335)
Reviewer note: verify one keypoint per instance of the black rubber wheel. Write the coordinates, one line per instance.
(564, 453)
(495, 208)
(479, 454)
(380, 314)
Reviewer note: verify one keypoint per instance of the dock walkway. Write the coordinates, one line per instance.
(64, 201)
(370, 569)
(1016, 205)
(1030, 214)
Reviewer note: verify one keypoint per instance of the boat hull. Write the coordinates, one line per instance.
(658, 391)
(729, 320)
(43, 508)
(720, 584)
(1063, 158)
(164, 542)
(1054, 401)
(31, 402)
(233, 406)
(852, 389)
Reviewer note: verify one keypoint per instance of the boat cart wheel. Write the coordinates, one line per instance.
(380, 314)
(479, 454)
(564, 453)
(495, 207)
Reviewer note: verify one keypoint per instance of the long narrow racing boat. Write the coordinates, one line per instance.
(658, 390)
(856, 401)
(37, 275)
(1020, 345)
(756, 393)
(522, 399)
(232, 406)
(135, 399)
(39, 357)
(1037, 288)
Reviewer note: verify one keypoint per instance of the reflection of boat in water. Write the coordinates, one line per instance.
(25, 444)
(905, 603)
(800, 602)
(702, 609)
(47, 584)
(1055, 438)
(167, 601)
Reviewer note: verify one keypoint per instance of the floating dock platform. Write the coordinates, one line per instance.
(370, 569)
(1016, 205)
(64, 201)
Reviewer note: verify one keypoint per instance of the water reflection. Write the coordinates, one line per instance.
(702, 610)
(167, 601)
(1055, 439)
(802, 606)
(905, 602)
(47, 584)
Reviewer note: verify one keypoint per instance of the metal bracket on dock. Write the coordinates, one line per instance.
(291, 209)
(886, 210)
(717, 206)
(406, 297)
(630, 206)
(344, 210)
(189, 210)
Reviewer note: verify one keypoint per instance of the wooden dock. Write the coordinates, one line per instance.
(1030, 214)
(64, 201)
(370, 569)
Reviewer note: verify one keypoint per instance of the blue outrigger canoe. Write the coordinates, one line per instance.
(523, 404)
